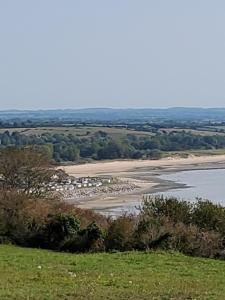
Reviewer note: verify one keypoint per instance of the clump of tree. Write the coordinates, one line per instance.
(32, 216)
(101, 145)
(26, 170)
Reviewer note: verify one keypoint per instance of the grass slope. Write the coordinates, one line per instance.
(40, 274)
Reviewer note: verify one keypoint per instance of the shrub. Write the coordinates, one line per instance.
(190, 240)
(209, 216)
(95, 237)
(154, 154)
(60, 228)
(195, 229)
(151, 232)
(170, 207)
(89, 239)
(87, 216)
(121, 233)
(21, 218)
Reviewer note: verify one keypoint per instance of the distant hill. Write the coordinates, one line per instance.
(111, 114)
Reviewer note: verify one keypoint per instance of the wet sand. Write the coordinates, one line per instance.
(143, 173)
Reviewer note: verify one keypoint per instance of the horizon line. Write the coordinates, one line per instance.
(108, 108)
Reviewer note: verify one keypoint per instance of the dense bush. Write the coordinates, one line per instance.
(120, 233)
(166, 223)
(48, 223)
(151, 232)
(171, 207)
(204, 214)
(89, 239)
(60, 228)
(209, 216)
(193, 241)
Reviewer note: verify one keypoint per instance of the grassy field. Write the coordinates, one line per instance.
(203, 132)
(40, 274)
(79, 131)
(201, 152)
(113, 131)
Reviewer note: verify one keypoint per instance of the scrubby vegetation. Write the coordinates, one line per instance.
(29, 217)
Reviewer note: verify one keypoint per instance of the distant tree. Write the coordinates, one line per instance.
(154, 154)
(137, 154)
(5, 140)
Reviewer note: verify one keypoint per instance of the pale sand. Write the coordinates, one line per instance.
(139, 172)
(118, 166)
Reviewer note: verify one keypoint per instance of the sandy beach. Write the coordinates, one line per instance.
(112, 167)
(143, 173)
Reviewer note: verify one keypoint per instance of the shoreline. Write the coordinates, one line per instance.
(143, 173)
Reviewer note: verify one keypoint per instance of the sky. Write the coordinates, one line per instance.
(111, 53)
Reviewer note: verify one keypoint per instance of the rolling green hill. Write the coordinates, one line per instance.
(40, 274)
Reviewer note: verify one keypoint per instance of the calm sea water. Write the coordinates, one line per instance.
(206, 184)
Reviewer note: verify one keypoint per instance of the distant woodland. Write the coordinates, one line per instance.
(68, 146)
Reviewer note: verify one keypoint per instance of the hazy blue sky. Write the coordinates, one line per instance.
(116, 53)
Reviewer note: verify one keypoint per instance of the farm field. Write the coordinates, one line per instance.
(40, 274)
(79, 131)
(113, 131)
(201, 131)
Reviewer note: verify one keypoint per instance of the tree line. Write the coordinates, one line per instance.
(101, 145)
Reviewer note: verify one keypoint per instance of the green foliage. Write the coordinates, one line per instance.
(60, 228)
(163, 223)
(94, 232)
(120, 234)
(171, 207)
(209, 216)
(88, 239)
(102, 145)
(151, 232)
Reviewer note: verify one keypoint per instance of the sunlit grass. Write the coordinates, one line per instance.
(40, 274)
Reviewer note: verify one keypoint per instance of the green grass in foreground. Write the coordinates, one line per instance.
(40, 274)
